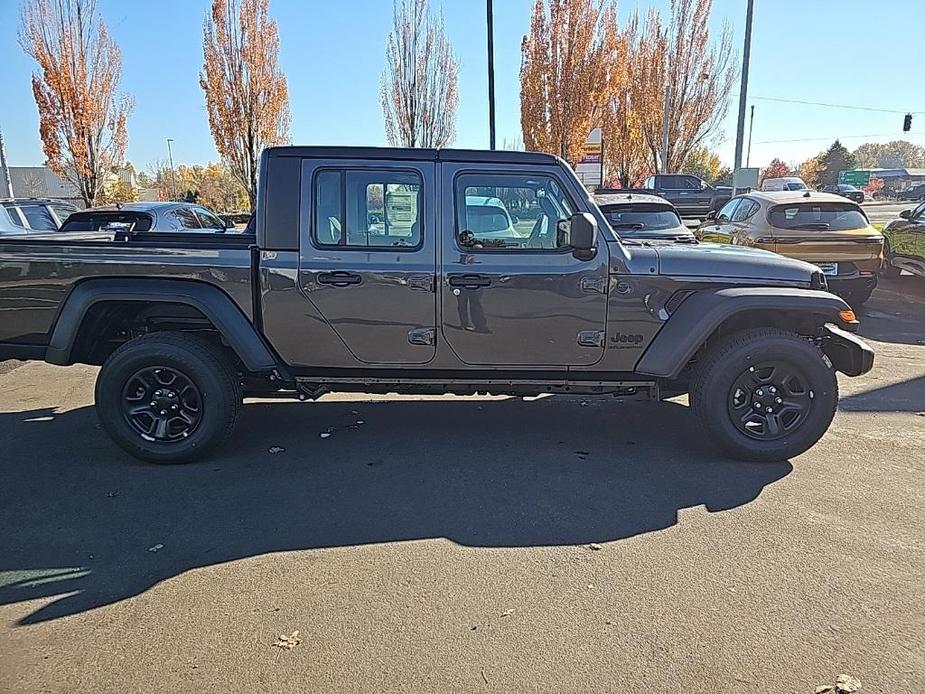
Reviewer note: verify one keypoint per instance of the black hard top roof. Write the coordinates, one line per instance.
(398, 153)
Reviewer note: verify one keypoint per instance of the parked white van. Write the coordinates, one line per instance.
(785, 183)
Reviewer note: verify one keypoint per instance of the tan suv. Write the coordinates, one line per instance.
(824, 229)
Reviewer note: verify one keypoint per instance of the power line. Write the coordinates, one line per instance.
(846, 106)
(839, 137)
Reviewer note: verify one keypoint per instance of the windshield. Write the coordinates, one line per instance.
(484, 219)
(625, 219)
(824, 216)
(94, 221)
(795, 186)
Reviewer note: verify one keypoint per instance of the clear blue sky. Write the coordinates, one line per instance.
(835, 51)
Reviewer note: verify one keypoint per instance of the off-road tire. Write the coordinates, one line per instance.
(206, 366)
(716, 374)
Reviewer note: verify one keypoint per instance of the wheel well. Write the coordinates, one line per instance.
(801, 322)
(108, 324)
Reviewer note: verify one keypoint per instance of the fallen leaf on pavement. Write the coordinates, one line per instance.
(846, 684)
(594, 546)
(507, 613)
(276, 449)
(154, 548)
(287, 643)
(325, 434)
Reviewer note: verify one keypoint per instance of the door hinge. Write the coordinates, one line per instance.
(422, 336)
(591, 338)
(593, 285)
(421, 282)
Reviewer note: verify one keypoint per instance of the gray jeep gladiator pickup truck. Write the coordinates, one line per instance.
(426, 271)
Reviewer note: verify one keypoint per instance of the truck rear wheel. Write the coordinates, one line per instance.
(168, 397)
(764, 394)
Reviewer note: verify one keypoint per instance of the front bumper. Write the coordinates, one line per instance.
(848, 353)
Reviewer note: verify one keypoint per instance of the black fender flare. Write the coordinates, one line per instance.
(704, 311)
(211, 301)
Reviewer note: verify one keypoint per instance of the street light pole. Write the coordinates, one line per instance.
(173, 173)
(751, 128)
(743, 94)
(491, 75)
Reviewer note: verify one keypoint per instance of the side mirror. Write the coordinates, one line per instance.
(711, 215)
(582, 232)
(906, 214)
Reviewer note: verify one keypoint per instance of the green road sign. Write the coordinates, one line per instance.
(854, 178)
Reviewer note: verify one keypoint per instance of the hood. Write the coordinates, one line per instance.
(731, 262)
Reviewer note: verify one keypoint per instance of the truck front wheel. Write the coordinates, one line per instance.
(764, 394)
(168, 397)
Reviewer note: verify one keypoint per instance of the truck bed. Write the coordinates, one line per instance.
(38, 271)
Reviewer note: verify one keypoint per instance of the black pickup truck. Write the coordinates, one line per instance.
(426, 271)
(692, 196)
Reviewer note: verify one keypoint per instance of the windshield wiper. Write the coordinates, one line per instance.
(812, 225)
(628, 225)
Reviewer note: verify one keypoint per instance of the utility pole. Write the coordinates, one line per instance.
(663, 164)
(173, 172)
(743, 94)
(6, 169)
(751, 127)
(491, 75)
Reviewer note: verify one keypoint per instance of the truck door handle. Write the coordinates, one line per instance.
(339, 278)
(469, 281)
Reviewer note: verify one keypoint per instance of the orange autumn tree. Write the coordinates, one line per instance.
(247, 97)
(629, 105)
(776, 169)
(82, 116)
(569, 64)
(418, 91)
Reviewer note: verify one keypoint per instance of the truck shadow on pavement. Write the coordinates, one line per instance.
(91, 526)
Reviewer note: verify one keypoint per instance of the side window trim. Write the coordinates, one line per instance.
(343, 171)
(492, 173)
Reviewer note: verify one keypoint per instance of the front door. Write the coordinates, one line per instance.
(720, 229)
(512, 292)
(368, 268)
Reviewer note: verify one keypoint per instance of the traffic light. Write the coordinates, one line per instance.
(907, 123)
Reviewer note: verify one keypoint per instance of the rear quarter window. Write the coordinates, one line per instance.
(821, 216)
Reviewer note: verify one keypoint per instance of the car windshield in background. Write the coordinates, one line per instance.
(484, 219)
(825, 216)
(795, 186)
(625, 219)
(114, 221)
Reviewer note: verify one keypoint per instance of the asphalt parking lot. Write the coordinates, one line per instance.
(445, 544)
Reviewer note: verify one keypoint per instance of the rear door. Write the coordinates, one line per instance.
(368, 257)
(520, 297)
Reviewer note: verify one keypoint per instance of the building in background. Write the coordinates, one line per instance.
(39, 182)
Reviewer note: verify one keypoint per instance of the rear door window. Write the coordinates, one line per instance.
(185, 218)
(361, 208)
(745, 210)
(38, 217)
(817, 216)
(208, 220)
